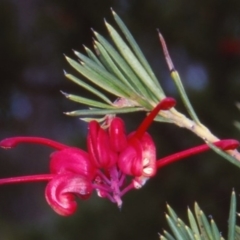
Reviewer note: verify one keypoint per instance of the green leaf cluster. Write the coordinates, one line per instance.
(200, 227)
(122, 71)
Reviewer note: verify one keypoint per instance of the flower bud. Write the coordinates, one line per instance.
(99, 149)
(130, 159)
(117, 135)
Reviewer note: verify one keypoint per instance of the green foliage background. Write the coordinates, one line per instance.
(204, 42)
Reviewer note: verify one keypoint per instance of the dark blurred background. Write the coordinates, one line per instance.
(204, 42)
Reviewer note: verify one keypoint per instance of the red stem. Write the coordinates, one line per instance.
(25, 179)
(223, 144)
(165, 104)
(14, 141)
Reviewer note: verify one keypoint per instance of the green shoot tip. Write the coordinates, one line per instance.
(64, 93)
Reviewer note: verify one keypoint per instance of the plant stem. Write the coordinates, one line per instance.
(199, 129)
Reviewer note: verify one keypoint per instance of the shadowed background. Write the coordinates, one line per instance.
(204, 43)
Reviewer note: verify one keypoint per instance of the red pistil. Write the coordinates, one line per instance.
(14, 141)
(165, 104)
(25, 179)
(228, 144)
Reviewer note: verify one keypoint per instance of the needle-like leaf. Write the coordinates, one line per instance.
(87, 112)
(134, 63)
(87, 101)
(138, 52)
(232, 217)
(87, 87)
(124, 66)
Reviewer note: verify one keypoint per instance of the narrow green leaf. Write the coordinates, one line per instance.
(92, 56)
(106, 83)
(90, 61)
(184, 96)
(182, 228)
(232, 217)
(161, 237)
(224, 154)
(237, 232)
(123, 65)
(91, 119)
(215, 231)
(172, 213)
(103, 111)
(181, 222)
(168, 235)
(181, 225)
(206, 225)
(110, 78)
(112, 66)
(190, 233)
(88, 101)
(101, 57)
(193, 222)
(203, 232)
(134, 63)
(174, 228)
(87, 87)
(135, 47)
(196, 237)
(177, 80)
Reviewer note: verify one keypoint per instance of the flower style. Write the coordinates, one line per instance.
(112, 156)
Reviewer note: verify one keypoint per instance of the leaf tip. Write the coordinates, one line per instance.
(85, 48)
(64, 93)
(113, 12)
(106, 23)
(66, 57)
(67, 113)
(78, 54)
(94, 32)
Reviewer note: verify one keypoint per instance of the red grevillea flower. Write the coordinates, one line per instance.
(112, 156)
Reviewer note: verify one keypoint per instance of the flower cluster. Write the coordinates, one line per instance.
(111, 157)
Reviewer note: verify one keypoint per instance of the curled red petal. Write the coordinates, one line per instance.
(99, 149)
(92, 140)
(148, 156)
(93, 128)
(72, 160)
(117, 135)
(139, 158)
(130, 159)
(61, 191)
(106, 156)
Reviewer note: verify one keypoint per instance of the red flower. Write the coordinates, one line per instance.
(112, 155)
